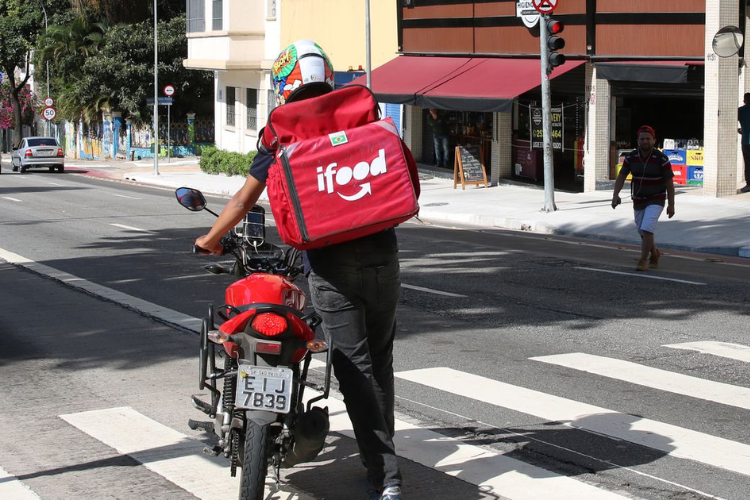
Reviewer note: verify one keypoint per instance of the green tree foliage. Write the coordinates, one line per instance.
(102, 57)
(20, 24)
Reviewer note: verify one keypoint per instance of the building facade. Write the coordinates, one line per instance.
(628, 64)
(239, 41)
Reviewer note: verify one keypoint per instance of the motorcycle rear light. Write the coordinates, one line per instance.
(317, 346)
(266, 347)
(269, 324)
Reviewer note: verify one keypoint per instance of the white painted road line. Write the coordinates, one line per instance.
(125, 196)
(738, 352)
(166, 452)
(134, 303)
(12, 199)
(640, 275)
(491, 471)
(676, 441)
(131, 228)
(654, 378)
(430, 290)
(12, 488)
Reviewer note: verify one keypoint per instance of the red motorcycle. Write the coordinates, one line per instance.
(265, 342)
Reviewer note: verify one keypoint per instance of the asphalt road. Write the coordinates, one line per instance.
(543, 367)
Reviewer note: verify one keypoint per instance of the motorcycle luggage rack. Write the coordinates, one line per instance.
(326, 387)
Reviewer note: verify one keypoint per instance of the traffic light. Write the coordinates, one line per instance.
(555, 42)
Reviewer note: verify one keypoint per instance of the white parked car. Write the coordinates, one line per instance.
(38, 152)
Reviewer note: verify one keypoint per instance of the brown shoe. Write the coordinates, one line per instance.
(642, 265)
(653, 260)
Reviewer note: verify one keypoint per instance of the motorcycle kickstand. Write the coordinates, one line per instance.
(276, 471)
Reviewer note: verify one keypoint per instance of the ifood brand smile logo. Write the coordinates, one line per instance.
(334, 177)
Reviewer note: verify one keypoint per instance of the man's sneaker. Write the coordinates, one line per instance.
(642, 265)
(745, 189)
(391, 493)
(653, 261)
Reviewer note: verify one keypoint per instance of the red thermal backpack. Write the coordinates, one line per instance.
(339, 172)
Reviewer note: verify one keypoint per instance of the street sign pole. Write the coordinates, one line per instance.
(169, 133)
(549, 167)
(156, 95)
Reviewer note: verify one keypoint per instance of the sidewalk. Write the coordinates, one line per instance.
(701, 224)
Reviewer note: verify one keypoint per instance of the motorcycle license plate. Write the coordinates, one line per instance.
(264, 388)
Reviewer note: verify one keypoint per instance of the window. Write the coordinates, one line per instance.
(230, 106)
(218, 14)
(271, 101)
(271, 10)
(252, 109)
(196, 12)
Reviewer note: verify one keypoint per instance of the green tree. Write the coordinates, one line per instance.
(103, 58)
(20, 24)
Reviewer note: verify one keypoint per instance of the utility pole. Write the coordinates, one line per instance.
(368, 66)
(549, 167)
(156, 95)
(45, 32)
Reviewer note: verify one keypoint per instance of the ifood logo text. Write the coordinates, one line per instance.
(333, 177)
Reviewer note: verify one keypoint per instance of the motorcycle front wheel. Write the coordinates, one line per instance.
(255, 461)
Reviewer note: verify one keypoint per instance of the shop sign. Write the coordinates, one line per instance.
(527, 12)
(537, 128)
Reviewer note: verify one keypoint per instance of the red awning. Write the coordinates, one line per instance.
(401, 80)
(458, 83)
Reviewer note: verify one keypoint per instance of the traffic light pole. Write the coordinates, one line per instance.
(549, 167)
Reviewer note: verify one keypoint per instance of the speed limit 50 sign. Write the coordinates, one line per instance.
(49, 113)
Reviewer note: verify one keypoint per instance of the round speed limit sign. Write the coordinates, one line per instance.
(49, 113)
(169, 91)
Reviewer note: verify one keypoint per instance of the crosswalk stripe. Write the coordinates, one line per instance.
(738, 352)
(489, 470)
(12, 488)
(654, 378)
(676, 441)
(169, 453)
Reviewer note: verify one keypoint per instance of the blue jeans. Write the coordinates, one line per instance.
(441, 149)
(355, 287)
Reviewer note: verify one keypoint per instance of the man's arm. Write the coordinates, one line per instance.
(240, 204)
(670, 197)
(619, 183)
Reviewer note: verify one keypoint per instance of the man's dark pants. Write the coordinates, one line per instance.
(746, 157)
(355, 289)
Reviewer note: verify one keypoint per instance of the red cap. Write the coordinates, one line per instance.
(648, 130)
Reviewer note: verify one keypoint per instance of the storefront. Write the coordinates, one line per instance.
(668, 96)
(464, 127)
(477, 97)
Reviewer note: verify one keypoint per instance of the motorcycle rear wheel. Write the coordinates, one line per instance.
(255, 461)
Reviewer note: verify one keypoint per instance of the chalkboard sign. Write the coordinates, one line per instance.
(469, 166)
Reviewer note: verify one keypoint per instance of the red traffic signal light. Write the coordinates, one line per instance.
(555, 27)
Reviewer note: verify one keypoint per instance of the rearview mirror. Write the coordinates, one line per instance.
(727, 41)
(192, 199)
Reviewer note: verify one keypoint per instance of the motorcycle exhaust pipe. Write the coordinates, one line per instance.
(309, 436)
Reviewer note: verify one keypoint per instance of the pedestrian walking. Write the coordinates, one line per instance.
(651, 186)
(743, 116)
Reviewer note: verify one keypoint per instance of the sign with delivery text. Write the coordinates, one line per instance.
(537, 129)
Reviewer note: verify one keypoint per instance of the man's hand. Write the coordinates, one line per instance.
(616, 201)
(670, 211)
(214, 249)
